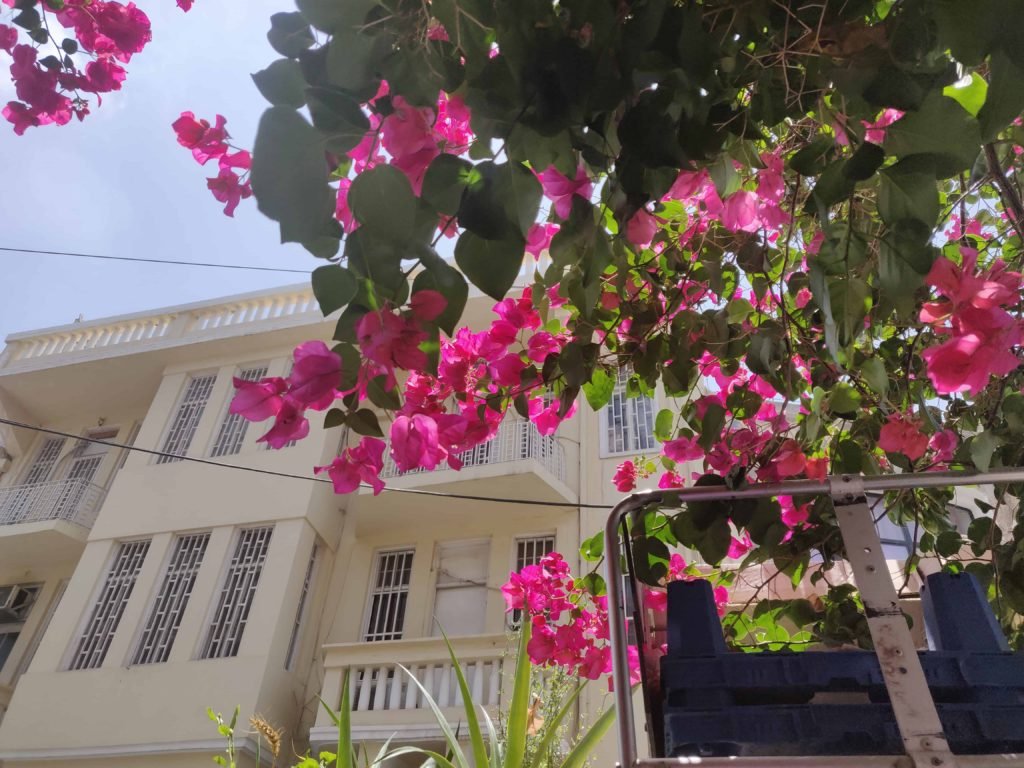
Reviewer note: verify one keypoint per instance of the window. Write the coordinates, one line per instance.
(300, 611)
(628, 422)
(388, 595)
(529, 552)
(106, 614)
(165, 615)
(460, 602)
(236, 596)
(45, 461)
(233, 427)
(16, 601)
(186, 419)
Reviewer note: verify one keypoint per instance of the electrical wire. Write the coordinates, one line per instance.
(249, 267)
(290, 476)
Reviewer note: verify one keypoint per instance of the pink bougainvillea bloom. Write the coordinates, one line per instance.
(683, 449)
(538, 238)
(185, 5)
(560, 190)
(8, 37)
(541, 646)
(790, 459)
(739, 547)
(342, 212)
(624, 478)
(802, 298)
(408, 136)
(103, 75)
(641, 228)
(875, 132)
(391, 341)
(687, 185)
(451, 128)
(817, 469)
(520, 312)
(240, 159)
(793, 515)
(315, 375)
(427, 305)
(670, 480)
(258, 400)
(20, 116)
(107, 28)
(228, 188)
(189, 130)
(507, 371)
(546, 417)
(362, 464)
(944, 443)
(902, 434)
(739, 212)
(542, 344)
(289, 424)
(414, 443)
(965, 364)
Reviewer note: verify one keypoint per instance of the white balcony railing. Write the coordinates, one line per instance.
(378, 684)
(517, 439)
(185, 324)
(73, 500)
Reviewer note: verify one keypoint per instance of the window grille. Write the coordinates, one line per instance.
(529, 552)
(165, 615)
(300, 611)
(389, 595)
(7, 641)
(45, 461)
(628, 421)
(233, 427)
(186, 419)
(236, 596)
(106, 614)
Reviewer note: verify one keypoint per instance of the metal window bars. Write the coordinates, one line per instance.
(300, 610)
(186, 418)
(913, 706)
(224, 636)
(389, 595)
(106, 613)
(45, 461)
(629, 422)
(233, 428)
(165, 615)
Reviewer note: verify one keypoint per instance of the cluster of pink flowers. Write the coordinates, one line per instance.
(903, 433)
(50, 87)
(981, 334)
(657, 599)
(569, 625)
(210, 142)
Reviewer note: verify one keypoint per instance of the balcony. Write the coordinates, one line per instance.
(385, 701)
(47, 519)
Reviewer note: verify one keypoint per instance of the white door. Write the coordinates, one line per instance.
(461, 598)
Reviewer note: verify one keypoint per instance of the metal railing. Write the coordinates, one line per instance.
(76, 501)
(517, 439)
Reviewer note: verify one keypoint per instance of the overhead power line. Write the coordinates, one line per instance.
(172, 262)
(290, 476)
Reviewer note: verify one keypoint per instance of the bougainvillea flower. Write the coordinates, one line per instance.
(362, 464)
(624, 478)
(289, 424)
(315, 375)
(414, 443)
(902, 434)
(560, 190)
(258, 400)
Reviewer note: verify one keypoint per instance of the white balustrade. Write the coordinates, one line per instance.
(73, 500)
(377, 682)
(189, 324)
(516, 440)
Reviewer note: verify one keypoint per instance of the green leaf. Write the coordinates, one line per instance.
(290, 34)
(452, 741)
(982, 446)
(1005, 100)
(334, 286)
(844, 400)
(592, 549)
(382, 200)
(289, 176)
(519, 705)
(386, 399)
(941, 129)
(520, 191)
(476, 738)
(714, 544)
(282, 83)
(491, 265)
(810, 160)
(599, 389)
(663, 425)
(948, 543)
(711, 426)
(329, 15)
(338, 117)
(723, 174)
(352, 60)
(907, 193)
(873, 370)
(446, 179)
(364, 422)
(552, 727)
(970, 95)
(862, 165)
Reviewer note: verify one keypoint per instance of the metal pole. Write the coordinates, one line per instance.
(635, 502)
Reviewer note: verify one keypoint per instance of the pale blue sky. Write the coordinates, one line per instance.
(120, 184)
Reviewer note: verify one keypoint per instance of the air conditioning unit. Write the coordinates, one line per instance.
(16, 601)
